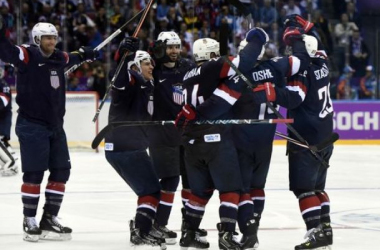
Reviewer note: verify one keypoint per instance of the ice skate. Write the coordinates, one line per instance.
(315, 240)
(53, 230)
(138, 238)
(200, 232)
(226, 239)
(190, 239)
(170, 236)
(9, 169)
(249, 240)
(326, 227)
(31, 230)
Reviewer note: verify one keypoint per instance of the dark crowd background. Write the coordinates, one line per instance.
(349, 29)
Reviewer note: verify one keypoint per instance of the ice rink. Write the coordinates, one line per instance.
(98, 206)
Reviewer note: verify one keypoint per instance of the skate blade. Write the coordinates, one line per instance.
(170, 241)
(143, 246)
(31, 237)
(48, 235)
(192, 248)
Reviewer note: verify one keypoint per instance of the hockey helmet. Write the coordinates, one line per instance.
(244, 42)
(170, 38)
(141, 55)
(311, 44)
(202, 49)
(43, 29)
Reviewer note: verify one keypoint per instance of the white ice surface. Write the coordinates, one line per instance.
(98, 205)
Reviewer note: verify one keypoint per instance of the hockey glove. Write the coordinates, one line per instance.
(158, 50)
(186, 115)
(298, 21)
(264, 93)
(257, 33)
(88, 53)
(291, 34)
(130, 44)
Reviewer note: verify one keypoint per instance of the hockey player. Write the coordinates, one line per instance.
(126, 147)
(308, 101)
(39, 126)
(8, 160)
(254, 142)
(210, 155)
(165, 141)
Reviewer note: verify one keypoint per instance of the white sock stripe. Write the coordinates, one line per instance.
(147, 206)
(166, 203)
(228, 204)
(327, 203)
(54, 191)
(198, 208)
(185, 200)
(30, 195)
(310, 209)
(258, 198)
(245, 202)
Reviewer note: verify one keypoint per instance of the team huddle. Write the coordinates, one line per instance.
(159, 85)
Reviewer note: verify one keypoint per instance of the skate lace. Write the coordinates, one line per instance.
(31, 222)
(56, 222)
(200, 240)
(310, 235)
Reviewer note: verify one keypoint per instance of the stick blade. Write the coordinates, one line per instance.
(99, 137)
(329, 141)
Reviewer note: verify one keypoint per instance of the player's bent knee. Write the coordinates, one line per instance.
(35, 177)
(302, 193)
(59, 175)
(170, 183)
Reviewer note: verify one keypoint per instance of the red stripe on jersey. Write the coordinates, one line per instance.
(167, 197)
(290, 66)
(185, 194)
(197, 201)
(5, 96)
(244, 197)
(150, 200)
(26, 54)
(299, 84)
(66, 57)
(323, 197)
(230, 197)
(57, 186)
(30, 188)
(229, 91)
(309, 202)
(225, 68)
(257, 193)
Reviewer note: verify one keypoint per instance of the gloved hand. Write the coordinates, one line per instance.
(186, 115)
(158, 50)
(130, 44)
(298, 21)
(88, 53)
(264, 92)
(257, 33)
(291, 34)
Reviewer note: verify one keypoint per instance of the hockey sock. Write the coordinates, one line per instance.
(258, 198)
(54, 195)
(146, 212)
(195, 209)
(185, 194)
(169, 186)
(245, 211)
(30, 195)
(228, 210)
(310, 207)
(325, 206)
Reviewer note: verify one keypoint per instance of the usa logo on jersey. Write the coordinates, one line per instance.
(177, 94)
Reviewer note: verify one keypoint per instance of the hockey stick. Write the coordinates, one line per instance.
(111, 126)
(270, 105)
(122, 61)
(105, 42)
(317, 147)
